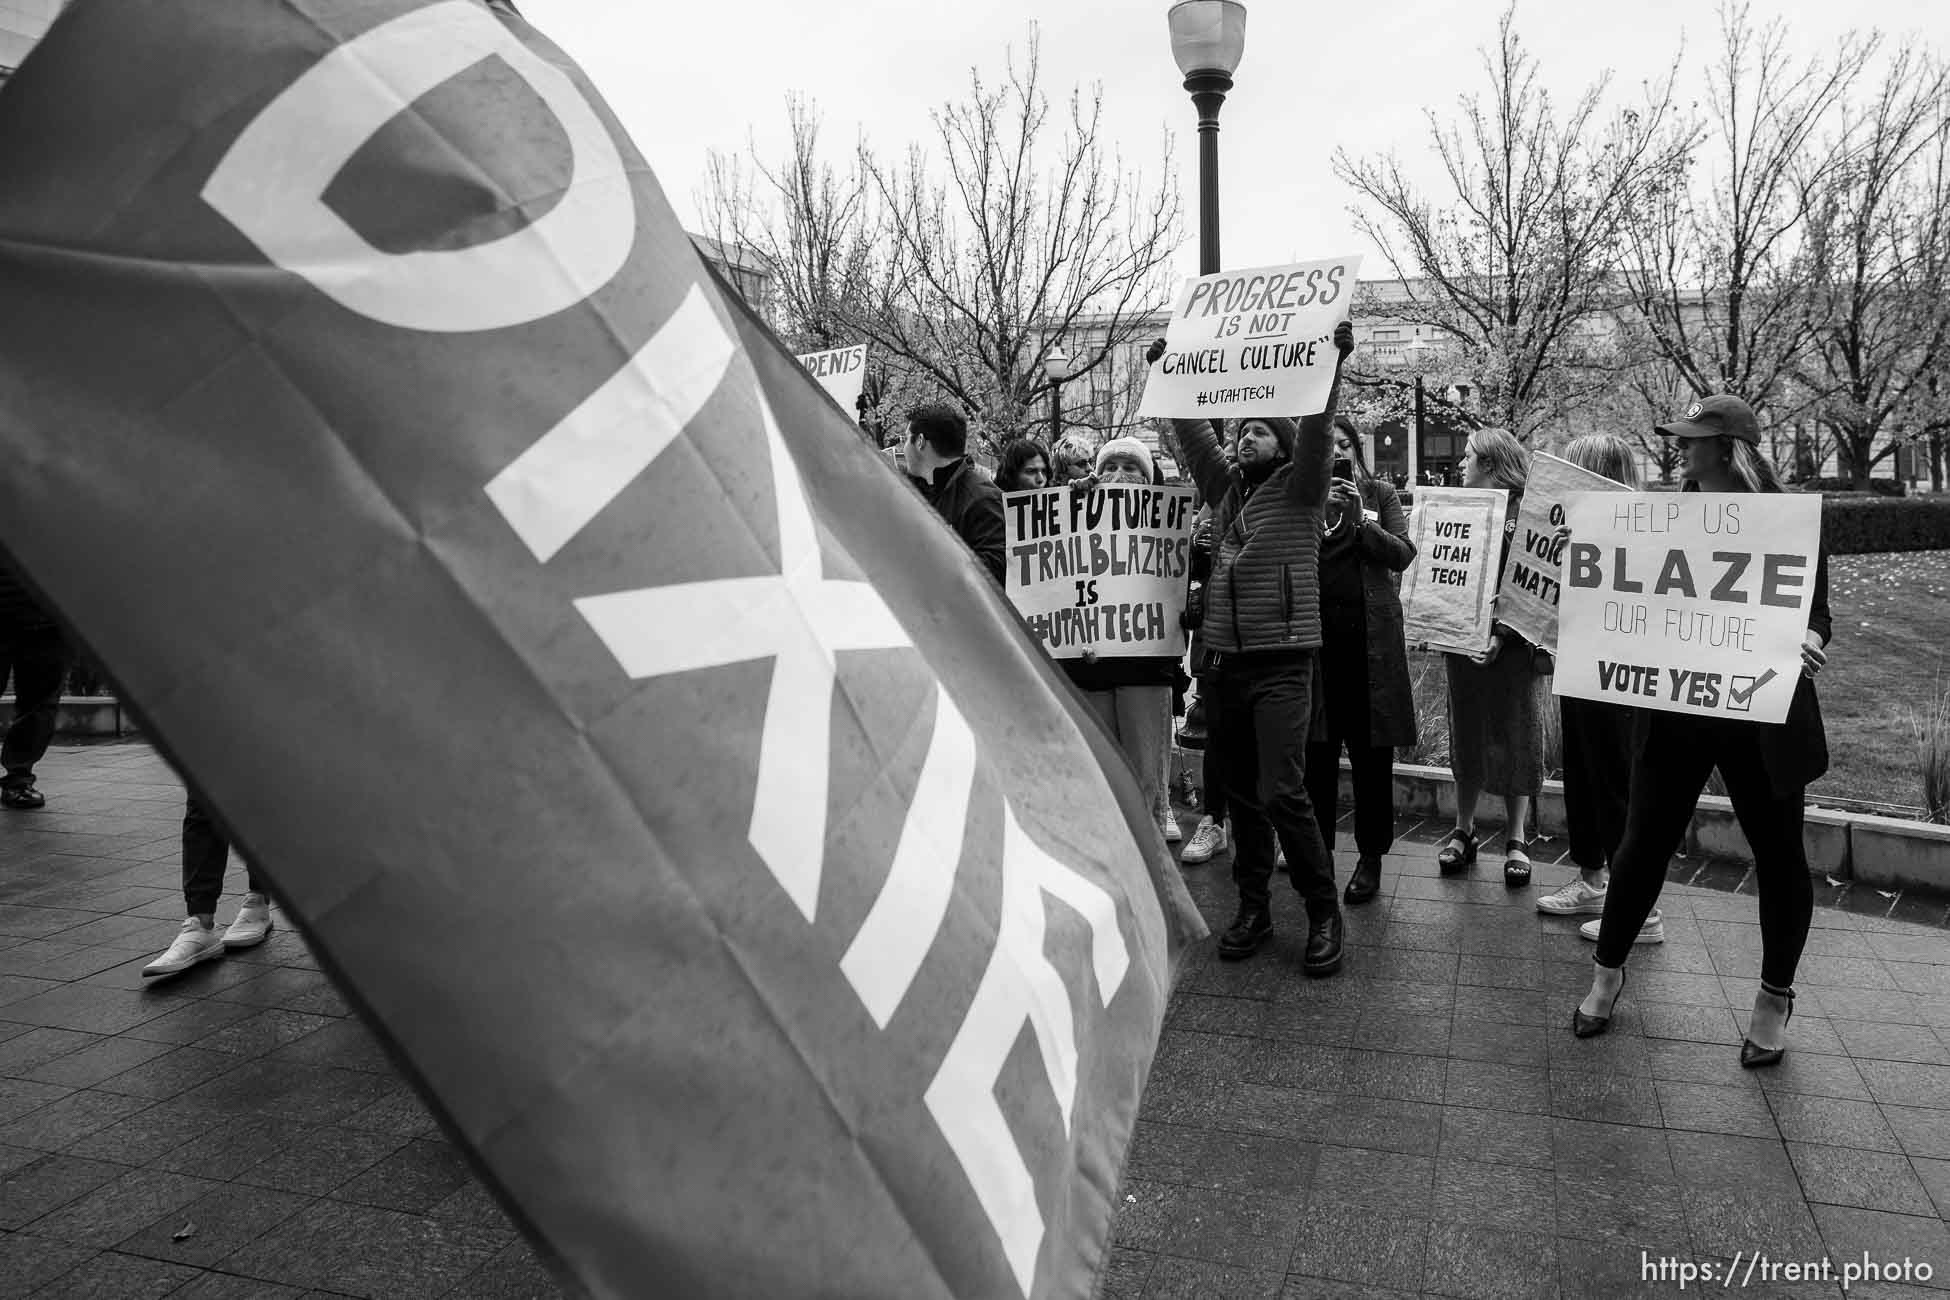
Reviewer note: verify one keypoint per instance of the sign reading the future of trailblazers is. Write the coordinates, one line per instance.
(1688, 602)
(1255, 342)
(1101, 572)
(1448, 592)
(858, 928)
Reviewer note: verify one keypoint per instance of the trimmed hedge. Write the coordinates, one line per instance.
(1882, 487)
(1858, 524)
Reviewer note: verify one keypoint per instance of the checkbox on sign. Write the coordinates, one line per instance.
(1741, 691)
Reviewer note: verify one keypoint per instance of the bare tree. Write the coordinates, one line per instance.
(810, 229)
(1516, 264)
(1022, 238)
(1878, 251)
(1711, 260)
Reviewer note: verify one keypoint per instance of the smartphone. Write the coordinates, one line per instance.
(1343, 468)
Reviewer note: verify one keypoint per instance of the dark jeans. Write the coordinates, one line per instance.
(1258, 719)
(1597, 774)
(1210, 775)
(1344, 679)
(205, 853)
(1667, 778)
(38, 660)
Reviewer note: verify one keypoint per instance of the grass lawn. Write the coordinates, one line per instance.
(1888, 665)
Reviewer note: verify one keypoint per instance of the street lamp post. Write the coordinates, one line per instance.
(1056, 364)
(1207, 39)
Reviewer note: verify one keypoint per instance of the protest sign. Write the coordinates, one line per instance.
(1257, 342)
(657, 654)
(840, 372)
(1101, 571)
(1691, 603)
(1446, 592)
(1527, 598)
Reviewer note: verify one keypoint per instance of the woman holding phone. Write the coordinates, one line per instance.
(1362, 698)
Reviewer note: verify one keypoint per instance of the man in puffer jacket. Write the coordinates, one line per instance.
(1263, 633)
(36, 653)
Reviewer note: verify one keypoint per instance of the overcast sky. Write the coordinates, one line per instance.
(690, 78)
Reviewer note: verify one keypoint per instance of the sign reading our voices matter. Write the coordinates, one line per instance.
(1532, 582)
(1691, 603)
(1102, 571)
(841, 372)
(1257, 342)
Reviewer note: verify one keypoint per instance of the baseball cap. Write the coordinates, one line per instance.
(1721, 415)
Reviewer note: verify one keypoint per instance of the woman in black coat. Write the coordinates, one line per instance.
(1362, 697)
(1767, 769)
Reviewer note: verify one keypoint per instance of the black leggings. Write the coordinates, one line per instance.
(1668, 773)
(1597, 774)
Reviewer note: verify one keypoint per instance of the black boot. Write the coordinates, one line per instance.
(1323, 955)
(1251, 928)
(1365, 883)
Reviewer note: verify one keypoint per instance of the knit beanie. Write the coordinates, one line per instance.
(1127, 447)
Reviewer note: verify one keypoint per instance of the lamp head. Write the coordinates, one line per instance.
(1207, 35)
(1056, 363)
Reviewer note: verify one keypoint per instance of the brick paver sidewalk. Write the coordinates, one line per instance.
(1422, 1123)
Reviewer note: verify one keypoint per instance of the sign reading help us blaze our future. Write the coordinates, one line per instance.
(660, 780)
(1689, 602)
(1101, 572)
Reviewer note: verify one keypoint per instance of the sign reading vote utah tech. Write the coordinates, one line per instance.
(1690, 603)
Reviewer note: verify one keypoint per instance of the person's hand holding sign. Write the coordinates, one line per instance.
(1814, 655)
(1344, 338)
(1152, 353)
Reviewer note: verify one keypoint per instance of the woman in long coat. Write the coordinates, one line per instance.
(1362, 697)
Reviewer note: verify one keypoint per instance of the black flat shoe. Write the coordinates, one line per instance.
(1251, 928)
(1591, 1026)
(1324, 946)
(1755, 1057)
(1458, 852)
(1365, 883)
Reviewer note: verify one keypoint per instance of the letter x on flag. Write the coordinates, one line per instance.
(651, 769)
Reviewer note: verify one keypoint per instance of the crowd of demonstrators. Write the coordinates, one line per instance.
(1595, 737)
(1497, 697)
(1299, 652)
(1766, 768)
(1363, 701)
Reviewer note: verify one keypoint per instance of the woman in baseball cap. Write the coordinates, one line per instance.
(1767, 769)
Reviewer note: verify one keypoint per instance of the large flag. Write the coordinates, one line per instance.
(651, 768)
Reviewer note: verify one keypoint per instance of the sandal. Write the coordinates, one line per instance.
(1516, 864)
(1755, 1057)
(1457, 852)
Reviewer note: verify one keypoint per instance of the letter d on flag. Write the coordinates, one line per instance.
(652, 771)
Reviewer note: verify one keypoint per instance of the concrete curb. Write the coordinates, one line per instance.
(1884, 852)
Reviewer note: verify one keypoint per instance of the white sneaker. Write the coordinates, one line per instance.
(1653, 931)
(1575, 899)
(195, 942)
(1169, 825)
(1208, 838)
(253, 924)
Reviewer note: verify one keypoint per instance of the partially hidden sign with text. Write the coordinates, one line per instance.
(1532, 584)
(1257, 342)
(841, 372)
(1102, 571)
(1691, 603)
(1448, 592)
